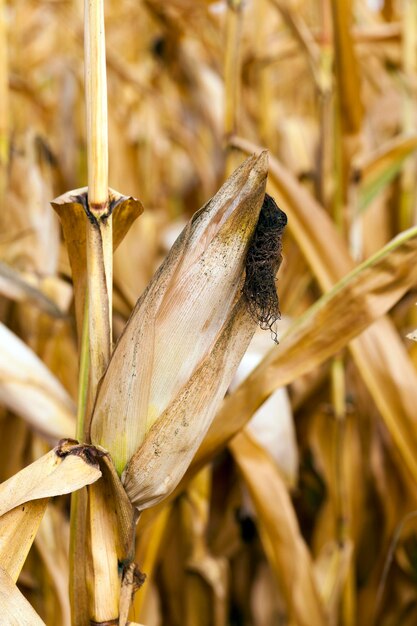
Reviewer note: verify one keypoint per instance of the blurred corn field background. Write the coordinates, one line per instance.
(300, 506)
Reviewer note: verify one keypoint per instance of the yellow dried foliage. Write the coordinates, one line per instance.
(328, 88)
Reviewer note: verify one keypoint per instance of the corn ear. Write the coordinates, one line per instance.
(165, 341)
(159, 464)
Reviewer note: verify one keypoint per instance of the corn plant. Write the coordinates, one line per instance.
(145, 409)
(143, 480)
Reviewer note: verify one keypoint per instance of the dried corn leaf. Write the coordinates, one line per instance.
(281, 536)
(29, 389)
(24, 497)
(301, 33)
(390, 377)
(323, 247)
(31, 229)
(15, 610)
(277, 436)
(18, 528)
(64, 469)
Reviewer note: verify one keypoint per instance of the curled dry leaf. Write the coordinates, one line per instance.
(28, 388)
(173, 363)
(64, 469)
(24, 497)
(72, 212)
(18, 528)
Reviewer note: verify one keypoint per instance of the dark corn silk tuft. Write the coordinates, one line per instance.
(262, 262)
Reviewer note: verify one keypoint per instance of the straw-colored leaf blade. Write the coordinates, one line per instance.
(176, 321)
(355, 302)
(18, 528)
(159, 464)
(28, 388)
(64, 469)
(24, 497)
(281, 536)
(15, 610)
